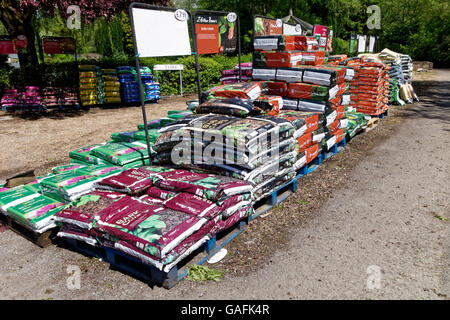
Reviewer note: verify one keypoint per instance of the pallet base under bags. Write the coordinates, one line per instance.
(148, 273)
(43, 240)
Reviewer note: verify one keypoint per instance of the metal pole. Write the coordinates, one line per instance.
(239, 47)
(181, 83)
(194, 40)
(141, 91)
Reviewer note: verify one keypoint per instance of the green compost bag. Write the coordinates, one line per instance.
(177, 114)
(17, 195)
(99, 171)
(67, 167)
(122, 153)
(156, 124)
(36, 213)
(67, 186)
(131, 136)
(83, 155)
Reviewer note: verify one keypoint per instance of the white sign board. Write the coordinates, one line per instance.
(168, 67)
(371, 44)
(362, 43)
(290, 30)
(161, 33)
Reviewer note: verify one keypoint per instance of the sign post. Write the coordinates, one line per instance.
(157, 32)
(218, 32)
(171, 67)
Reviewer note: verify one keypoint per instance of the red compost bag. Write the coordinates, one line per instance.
(304, 142)
(283, 59)
(277, 88)
(312, 153)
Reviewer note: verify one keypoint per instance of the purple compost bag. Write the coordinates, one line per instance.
(89, 207)
(151, 228)
(208, 186)
(160, 193)
(202, 208)
(132, 181)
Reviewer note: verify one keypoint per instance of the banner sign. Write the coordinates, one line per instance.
(216, 33)
(352, 45)
(321, 32)
(362, 40)
(292, 30)
(329, 46)
(268, 27)
(11, 45)
(168, 67)
(58, 45)
(372, 41)
(161, 33)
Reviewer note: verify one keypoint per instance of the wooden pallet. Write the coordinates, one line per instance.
(373, 123)
(150, 274)
(41, 239)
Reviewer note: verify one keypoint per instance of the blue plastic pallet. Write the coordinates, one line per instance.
(275, 198)
(150, 274)
(338, 147)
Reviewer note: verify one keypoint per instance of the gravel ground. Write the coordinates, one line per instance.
(378, 208)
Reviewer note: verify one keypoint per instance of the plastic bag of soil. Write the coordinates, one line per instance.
(14, 196)
(311, 91)
(232, 106)
(85, 211)
(156, 124)
(36, 213)
(153, 229)
(122, 153)
(67, 186)
(69, 167)
(203, 208)
(209, 186)
(131, 181)
(84, 154)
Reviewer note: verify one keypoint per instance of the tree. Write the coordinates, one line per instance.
(17, 17)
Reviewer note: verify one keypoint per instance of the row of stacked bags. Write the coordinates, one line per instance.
(230, 76)
(90, 85)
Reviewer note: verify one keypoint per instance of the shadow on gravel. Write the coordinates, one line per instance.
(434, 101)
(50, 114)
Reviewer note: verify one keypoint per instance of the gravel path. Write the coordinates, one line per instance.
(384, 236)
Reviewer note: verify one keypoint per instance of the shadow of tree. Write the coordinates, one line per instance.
(434, 101)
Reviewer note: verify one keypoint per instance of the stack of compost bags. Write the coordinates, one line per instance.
(152, 90)
(110, 87)
(51, 97)
(128, 84)
(31, 97)
(124, 154)
(157, 215)
(89, 84)
(69, 185)
(28, 207)
(232, 75)
(407, 67)
(69, 97)
(370, 88)
(235, 140)
(10, 99)
(83, 155)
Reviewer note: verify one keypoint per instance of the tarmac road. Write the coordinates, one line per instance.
(386, 236)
